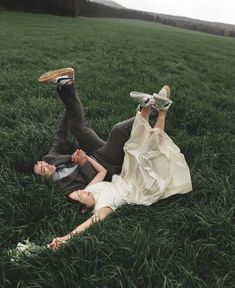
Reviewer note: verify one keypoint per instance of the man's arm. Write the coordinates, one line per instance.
(100, 215)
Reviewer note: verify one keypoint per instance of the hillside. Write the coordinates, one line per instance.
(112, 10)
(183, 241)
(108, 3)
(179, 21)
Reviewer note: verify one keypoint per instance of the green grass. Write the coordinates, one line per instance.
(184, 241)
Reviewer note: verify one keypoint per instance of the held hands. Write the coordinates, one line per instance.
(79, 157)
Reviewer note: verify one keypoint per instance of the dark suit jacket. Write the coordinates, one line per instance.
(78, 179)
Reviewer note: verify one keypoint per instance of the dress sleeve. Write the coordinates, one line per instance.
(105, 195)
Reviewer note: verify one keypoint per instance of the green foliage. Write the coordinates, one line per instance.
(183, 241)
(57, 7)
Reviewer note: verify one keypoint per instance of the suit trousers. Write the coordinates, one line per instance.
(108, 153)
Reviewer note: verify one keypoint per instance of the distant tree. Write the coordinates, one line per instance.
(59, 7)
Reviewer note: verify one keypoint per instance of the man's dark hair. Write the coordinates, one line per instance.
(28, 166)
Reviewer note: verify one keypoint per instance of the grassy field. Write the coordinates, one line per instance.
(184, 241)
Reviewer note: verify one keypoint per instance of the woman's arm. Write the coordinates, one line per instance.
(100, 215)
(101, 171)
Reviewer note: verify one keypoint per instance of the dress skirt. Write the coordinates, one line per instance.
(153, 167)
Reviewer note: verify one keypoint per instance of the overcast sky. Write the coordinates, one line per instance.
(211, 10)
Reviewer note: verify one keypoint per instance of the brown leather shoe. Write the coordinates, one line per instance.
(59, 77)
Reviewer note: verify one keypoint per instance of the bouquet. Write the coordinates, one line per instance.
(25, 249)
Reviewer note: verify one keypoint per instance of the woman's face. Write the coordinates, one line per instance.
(84, 197)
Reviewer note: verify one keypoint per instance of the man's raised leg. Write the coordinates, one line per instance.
(61, 135)
(77, 122)
(111, 154)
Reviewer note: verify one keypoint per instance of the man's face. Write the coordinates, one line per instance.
(44, 169)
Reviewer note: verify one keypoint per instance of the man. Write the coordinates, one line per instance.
(73, 172)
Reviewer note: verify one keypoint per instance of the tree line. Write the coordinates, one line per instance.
(92, 9)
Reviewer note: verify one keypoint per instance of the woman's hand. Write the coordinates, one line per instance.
(56, 242)
(79, 157)
(100, 215)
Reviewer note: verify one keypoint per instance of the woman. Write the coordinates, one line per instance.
(153, 168)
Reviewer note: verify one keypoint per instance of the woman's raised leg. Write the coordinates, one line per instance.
(145, 111)
(161, 119)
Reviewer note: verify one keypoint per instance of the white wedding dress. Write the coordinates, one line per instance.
(153, 169)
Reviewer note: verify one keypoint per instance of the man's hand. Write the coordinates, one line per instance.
(79, 157)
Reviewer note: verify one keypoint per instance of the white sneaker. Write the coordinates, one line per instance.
(143, 99)
(162, 99)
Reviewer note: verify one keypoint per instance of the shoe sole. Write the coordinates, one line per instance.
(135, 94)
(139, 96)
(51, 75)
(168, 91)
(168, 94)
